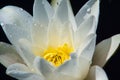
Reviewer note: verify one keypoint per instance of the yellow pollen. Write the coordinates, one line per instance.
(59, 55)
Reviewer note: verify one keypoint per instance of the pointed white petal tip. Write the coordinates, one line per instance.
(14, 15)
(8, 55)
(91, 8)
(42, 11)
(105, 49)
(17, 69)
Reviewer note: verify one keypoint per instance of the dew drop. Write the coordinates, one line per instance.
(15, 24)
(21, 9)
(89, 10)
(35, 24)
(10, 36)
(2, 24)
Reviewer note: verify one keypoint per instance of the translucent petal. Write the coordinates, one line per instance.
(17, 17)
(14, 33)
(85, 29)
(8, 55)
(105, 49)
(73, 69)
(60, 34)
(25, 51)
(16, 23)
(22, 72)
(62, 9)
(96, 73)
(55, 4)
(40, 36)
(87, 48)
(91, 8)
(40, 12)
(49, 9)
(44, 67)
(64, 13)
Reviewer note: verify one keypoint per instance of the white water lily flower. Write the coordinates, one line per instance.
(53, 44)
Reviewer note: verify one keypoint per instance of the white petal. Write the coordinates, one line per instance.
(55, 4)
(60, 34)
(78, 67)
(91, 8)
(43, 66)
(16, 23)
(74, 69)
(40, 35)
(14, 33)
(15, 15)
(25, 51)
(22, 72)
(64, 13)
(49, 9)
(96, 73)
(62, 25)
(41, 13)
(105, 49)
(85, 29)
(86, 49)
(8, 55)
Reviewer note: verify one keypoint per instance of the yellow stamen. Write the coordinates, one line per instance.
(57, 56)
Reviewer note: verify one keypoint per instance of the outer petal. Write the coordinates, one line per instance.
(22, 72)
(85, 30)
(91, 8)
(25, 50)
(96, 73)
(14, 33)
(14, 19)
(8, 55)
(87, 48)
(105, 49)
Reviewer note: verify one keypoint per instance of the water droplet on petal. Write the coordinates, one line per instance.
(21, 9)
(89, 10)
(2, 24)
(35, 24)
(15, 24)
(10, 36)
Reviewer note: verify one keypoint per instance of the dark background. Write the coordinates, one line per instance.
(108, 26)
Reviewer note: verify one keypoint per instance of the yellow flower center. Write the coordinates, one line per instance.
(59, 55)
